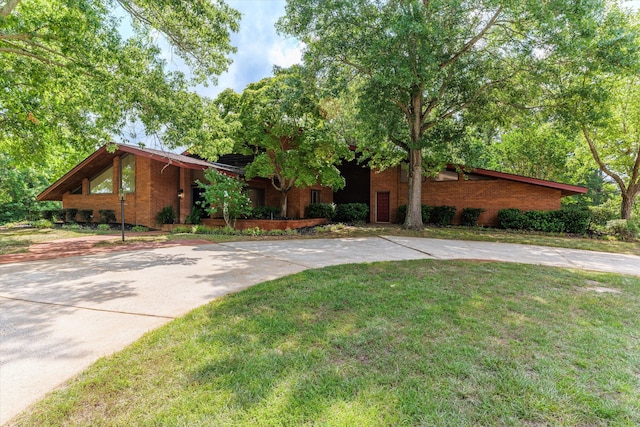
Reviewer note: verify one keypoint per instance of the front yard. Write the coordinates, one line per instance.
(408, 343)
(18, 240)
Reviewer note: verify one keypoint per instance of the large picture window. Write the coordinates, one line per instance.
(128, 173)
(103, 183)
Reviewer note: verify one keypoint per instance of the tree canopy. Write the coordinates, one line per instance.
(599, 95)
(71, 81)
(424, 63)
(282, 123)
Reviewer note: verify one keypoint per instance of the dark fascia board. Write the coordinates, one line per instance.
(161, 156)
(567, 189)
(47, 192)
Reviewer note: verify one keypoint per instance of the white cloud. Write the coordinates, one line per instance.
(259, 46)
(285, 54)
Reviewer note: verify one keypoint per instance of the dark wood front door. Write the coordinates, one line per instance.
(382, 207)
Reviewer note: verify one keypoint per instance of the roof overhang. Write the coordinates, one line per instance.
(566, 189)
(102, 158)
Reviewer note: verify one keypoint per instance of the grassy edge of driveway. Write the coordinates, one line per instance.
(19, 240)
(450, 233)
(395, 343)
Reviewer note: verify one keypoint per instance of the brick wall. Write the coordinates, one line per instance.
(297, 200)
(157, 186)
(382, 182)
(491, 195)
(163, 188)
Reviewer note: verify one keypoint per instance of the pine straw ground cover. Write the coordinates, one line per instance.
(405, 343)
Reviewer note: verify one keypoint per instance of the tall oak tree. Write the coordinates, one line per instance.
(424, 62)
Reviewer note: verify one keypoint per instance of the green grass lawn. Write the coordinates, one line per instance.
(486, 234)
(17, 240)
(407, 343)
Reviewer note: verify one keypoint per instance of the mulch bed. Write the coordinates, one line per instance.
(88, 246)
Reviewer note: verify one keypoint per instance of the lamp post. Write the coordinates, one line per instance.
(122, 196)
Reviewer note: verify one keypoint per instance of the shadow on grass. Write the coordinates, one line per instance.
(393, 352)
(392, 343)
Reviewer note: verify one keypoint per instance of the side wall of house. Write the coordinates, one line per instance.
(157, 186)
(491, 195)
(164, 185)
(297, 200)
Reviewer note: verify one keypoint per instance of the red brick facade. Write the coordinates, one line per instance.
(491, 195)
(157, 186)
(166, 179)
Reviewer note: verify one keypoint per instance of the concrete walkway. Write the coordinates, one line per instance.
(59, 316)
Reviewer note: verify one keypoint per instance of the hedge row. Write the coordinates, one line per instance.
(344, 212)
(67, 215)
(441, 215)
(561, 221)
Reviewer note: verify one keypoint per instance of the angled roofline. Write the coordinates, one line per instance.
(178, 160)
(567, 189)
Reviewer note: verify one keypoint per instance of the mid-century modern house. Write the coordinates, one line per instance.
(152, 179)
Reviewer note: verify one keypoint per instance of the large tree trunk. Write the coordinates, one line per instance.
(414, 201)
(283, 203)
(627, 204)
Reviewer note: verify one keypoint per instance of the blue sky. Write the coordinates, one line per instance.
(259, 47)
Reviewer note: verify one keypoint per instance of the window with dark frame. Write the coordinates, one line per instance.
(315, 196)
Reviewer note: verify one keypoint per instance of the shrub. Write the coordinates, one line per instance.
(470, 216)
(402, 213)
(52, 214)
(167, 215)
(47, 214)
(71, 226)
(570, 220)
(139, 229)
(442, 215)
(69, 214)
(198, 229)
(195, 216)
(351, 212)
(543, 221)
(512, 218)
(265, 212)
(291, 232)
(626, 229)
(575, 221)
(183, 229)
(320, 210)
(42, 223)
(104, 227)
(255, 231)
(225, 231)
(107, 216)
(86, 214)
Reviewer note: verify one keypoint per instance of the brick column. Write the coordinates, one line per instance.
(185, 201)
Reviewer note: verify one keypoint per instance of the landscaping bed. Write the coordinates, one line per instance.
(268, 224)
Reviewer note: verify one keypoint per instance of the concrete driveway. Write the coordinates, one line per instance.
(59, 316)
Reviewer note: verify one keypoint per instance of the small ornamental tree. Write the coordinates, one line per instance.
(289, 132)
(226, 194)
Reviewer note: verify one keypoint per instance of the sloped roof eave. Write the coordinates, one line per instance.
(169, 158)
(566, 189)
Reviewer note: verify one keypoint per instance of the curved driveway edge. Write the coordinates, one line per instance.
(59, 316)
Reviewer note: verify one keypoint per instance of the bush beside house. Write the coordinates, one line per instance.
(575, 221)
